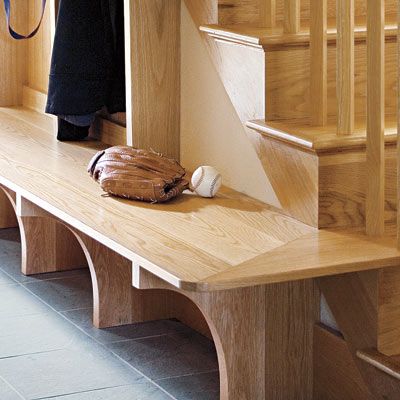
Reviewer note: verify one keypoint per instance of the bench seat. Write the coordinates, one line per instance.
(192, 243)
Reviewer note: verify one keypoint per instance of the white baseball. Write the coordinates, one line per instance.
(206, 181)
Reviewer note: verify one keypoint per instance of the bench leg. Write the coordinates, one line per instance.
(263, 336)
(48, 246)
(115, 301)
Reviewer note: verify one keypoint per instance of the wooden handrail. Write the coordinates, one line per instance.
(319, 62)
(291, 23)
(345, 66)
(375, 170)
(267, 13)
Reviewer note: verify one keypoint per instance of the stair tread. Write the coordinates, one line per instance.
(319, 139)
(388, 364)
(270, 37)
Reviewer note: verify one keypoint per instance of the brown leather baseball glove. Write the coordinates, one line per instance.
(124, 171)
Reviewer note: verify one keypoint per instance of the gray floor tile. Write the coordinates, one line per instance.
(193, 387)
(10, 243)
(83, 319)
(17, 301)
(31, 334)
(6, 279)
(169, 355)
(76, 369)
(8, 393)
(11, 265)
(142, 391)
(66, 293)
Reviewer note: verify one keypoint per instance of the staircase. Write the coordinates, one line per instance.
(283, 80)
(315, 84)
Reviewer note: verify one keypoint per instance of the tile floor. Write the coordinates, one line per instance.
(50, 350)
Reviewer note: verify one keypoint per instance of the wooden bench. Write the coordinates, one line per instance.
(244, 266)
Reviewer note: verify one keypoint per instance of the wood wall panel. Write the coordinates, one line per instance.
(342, 185)
(389, 311)
(39, 48)
(298, 195)
(288, 72)
(246, 11)
(152, 32)
(12, 62)
(336, 376)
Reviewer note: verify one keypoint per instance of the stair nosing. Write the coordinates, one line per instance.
(301, 39)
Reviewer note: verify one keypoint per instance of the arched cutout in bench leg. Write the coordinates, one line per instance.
(263, 336)
(115, 301)
(7, 212)
(46, 244)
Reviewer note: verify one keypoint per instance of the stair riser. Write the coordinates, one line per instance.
(325, 190)
(288, 77)
(342, 188)
(247, 11)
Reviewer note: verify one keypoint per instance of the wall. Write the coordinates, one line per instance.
(212, 133)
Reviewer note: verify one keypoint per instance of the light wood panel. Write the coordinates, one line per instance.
(388, 365)
(12, 61)
(340, 178)
(47, 245)
(247, 11)
(355, 311)
(288, 71)
(153, 74)
(298, 170)
(345, 67)
(291, 17)
(291, 311)
(39, 47)
(255, 332)
(389, 312)
(375, 166)
(267, 10)
(109, 132)
(319, 59)
(336, 376)
(182, 241)
(323, 253)
(343, 188)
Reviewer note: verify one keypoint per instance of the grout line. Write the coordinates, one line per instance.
(104, 346)
(30, 354)
(186, 375)
(12, 388)
(83, 391)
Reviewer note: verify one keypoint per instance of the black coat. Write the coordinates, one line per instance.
(88, 69)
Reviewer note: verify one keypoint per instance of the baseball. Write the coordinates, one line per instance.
(206, 181)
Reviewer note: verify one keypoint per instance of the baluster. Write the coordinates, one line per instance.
(267, 13)
(319, 57)
(398, 128)
(291, 23)
(345, 66)
(375, 206)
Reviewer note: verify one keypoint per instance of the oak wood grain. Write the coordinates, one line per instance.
(152, 30)
(319, 59)
(276, 362)
(375, 165)
(356, 314)
(345, 67)
(336, 376)
(183, 241)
